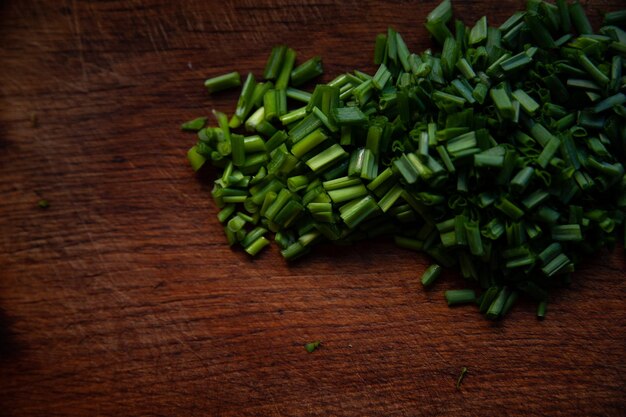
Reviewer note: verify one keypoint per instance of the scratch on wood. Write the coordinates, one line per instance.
(79, 39)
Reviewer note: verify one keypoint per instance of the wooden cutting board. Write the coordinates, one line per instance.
(123, 299)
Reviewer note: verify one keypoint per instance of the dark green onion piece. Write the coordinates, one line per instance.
(459, 381)
(307, 71)
(282, 82)
(194, 125)
(223, 82)
(274, 62)
(312, 346)
(430, 275)
(579, 18)
(455, 297)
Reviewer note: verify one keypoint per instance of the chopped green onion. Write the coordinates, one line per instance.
(312, 346)
(500, 154)
(430, 275)
(194, 125)
(307, 71)
(223, 82)
(455, 297)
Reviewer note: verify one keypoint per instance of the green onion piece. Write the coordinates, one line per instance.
(255, 247)
(195, 159)
(579, 18)
(464, 371)
(380, 49)
(538, 31)
(223, 82)
(610, 102)
(430, 275)
(508, 208)
(245, 102)
(282, 82)
(274, 62)
(327, 157)
(592, 70)
(510, 301)
(479, 31)
(503, 103)
(194, 125)
(567, 232)
(496, 307)
(564, 16)
(541, 309)
(310, 347)
(298, 95)
(382, 77)
(349, 116)
(456, 297)
(529, 105)
(356, 211)
(309, 142)
(307, 71)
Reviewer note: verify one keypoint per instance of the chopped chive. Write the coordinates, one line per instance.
(541, 309)
(564, 16)
(194, 125)
(282, 80)
(609, 102)
(307, 71)
(479, 31)
(195, 159)
(326, 158)
(274, 62)
(579, 18)
(382, 77)
(496, 307)
(312, 346)
(43, 204)
(502, 102)
(380, 48)
(459, 381)
(456, 297)
(430, 275)
(513, 190)
(512, 21)
(529, 105)
(349, 116)
(592, 70)
(223, 82)
(298, 95)
(293, 116)
(567, 232)
(245, 102)
(538, 31)
(255, 247)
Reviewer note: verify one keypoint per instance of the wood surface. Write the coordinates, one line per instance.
(122, 298)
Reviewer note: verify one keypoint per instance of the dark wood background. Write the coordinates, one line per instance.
(123, 299)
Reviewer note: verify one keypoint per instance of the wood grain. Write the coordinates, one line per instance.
(123, 299)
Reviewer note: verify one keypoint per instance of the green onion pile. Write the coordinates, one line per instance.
(503, 155)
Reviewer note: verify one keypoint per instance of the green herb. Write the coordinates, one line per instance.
(43, 204)
(459, 381)
(502, 155)
(223, 82)
(194, 125)
(312, 346)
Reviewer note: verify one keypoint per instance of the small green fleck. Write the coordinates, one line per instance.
(311, 346)
(43, 204)
(194, 125)
(459, 381)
